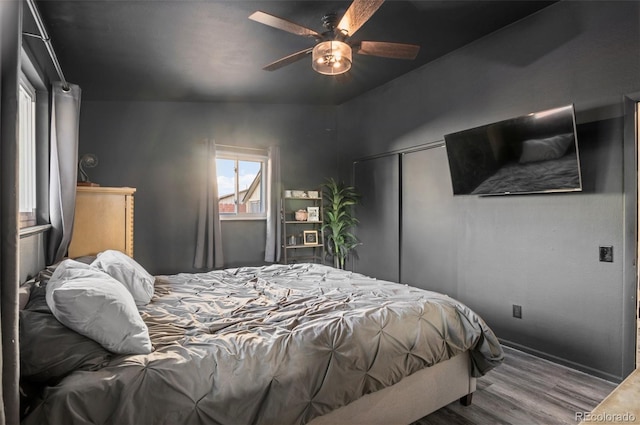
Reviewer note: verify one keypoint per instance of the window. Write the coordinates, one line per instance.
(241, 188)
(27, 153)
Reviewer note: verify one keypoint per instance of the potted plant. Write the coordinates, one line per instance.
(339, 220)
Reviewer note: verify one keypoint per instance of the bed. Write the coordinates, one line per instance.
(278, 344)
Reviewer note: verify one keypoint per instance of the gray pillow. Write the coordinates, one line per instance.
(49, 351)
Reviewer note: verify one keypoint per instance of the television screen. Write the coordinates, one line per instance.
(535, 153)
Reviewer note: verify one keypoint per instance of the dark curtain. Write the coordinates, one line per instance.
(208, 253)
(10, 42)
(63, 171)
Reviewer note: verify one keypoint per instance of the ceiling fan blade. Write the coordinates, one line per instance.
(357, 14)
(387, 50)
(294, 57)
(283, 24)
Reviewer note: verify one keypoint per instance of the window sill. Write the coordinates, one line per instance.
(33, 230)
(241, 218)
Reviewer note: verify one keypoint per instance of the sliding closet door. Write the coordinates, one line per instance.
(428, 222)
(377, 180)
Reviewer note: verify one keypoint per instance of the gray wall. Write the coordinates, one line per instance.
(156, 148)
(378, 212)
(539, 251)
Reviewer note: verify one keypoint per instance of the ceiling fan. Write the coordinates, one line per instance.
(333, 52)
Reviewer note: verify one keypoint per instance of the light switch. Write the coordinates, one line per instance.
(606, 254)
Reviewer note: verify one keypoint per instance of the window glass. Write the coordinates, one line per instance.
(226, 185)
(27, 153)
(250, 187)
(241, 190)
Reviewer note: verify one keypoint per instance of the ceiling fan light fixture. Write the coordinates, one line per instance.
(331, 57)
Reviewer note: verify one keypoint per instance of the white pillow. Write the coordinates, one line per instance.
(545, 149)
(127, 271)
(97, 306)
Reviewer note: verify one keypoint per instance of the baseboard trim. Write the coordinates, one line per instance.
(564, 362)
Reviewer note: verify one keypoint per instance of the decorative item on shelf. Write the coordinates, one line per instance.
(310, 237)
(288, 194)
(88, 160)
(313, 214)
(301, 215)
(298, 194)
(313, 193)
(292, 240)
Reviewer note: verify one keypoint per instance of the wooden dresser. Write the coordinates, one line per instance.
(103, 220)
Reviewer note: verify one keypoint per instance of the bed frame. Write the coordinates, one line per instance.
(410, 399)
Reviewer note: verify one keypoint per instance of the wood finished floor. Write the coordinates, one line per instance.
(526, 390)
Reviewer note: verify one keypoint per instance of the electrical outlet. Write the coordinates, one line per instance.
(517, 311)
(606, 254)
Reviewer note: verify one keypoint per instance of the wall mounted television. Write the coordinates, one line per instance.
(534, 153)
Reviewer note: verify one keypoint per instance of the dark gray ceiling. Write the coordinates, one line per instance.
(205, 50)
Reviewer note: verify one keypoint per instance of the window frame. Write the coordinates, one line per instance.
(260, 156)
(36, 78)
(27, 218)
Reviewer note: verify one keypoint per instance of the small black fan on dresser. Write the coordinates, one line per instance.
(88, 160)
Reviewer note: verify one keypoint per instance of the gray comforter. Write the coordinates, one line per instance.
(269, 345)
